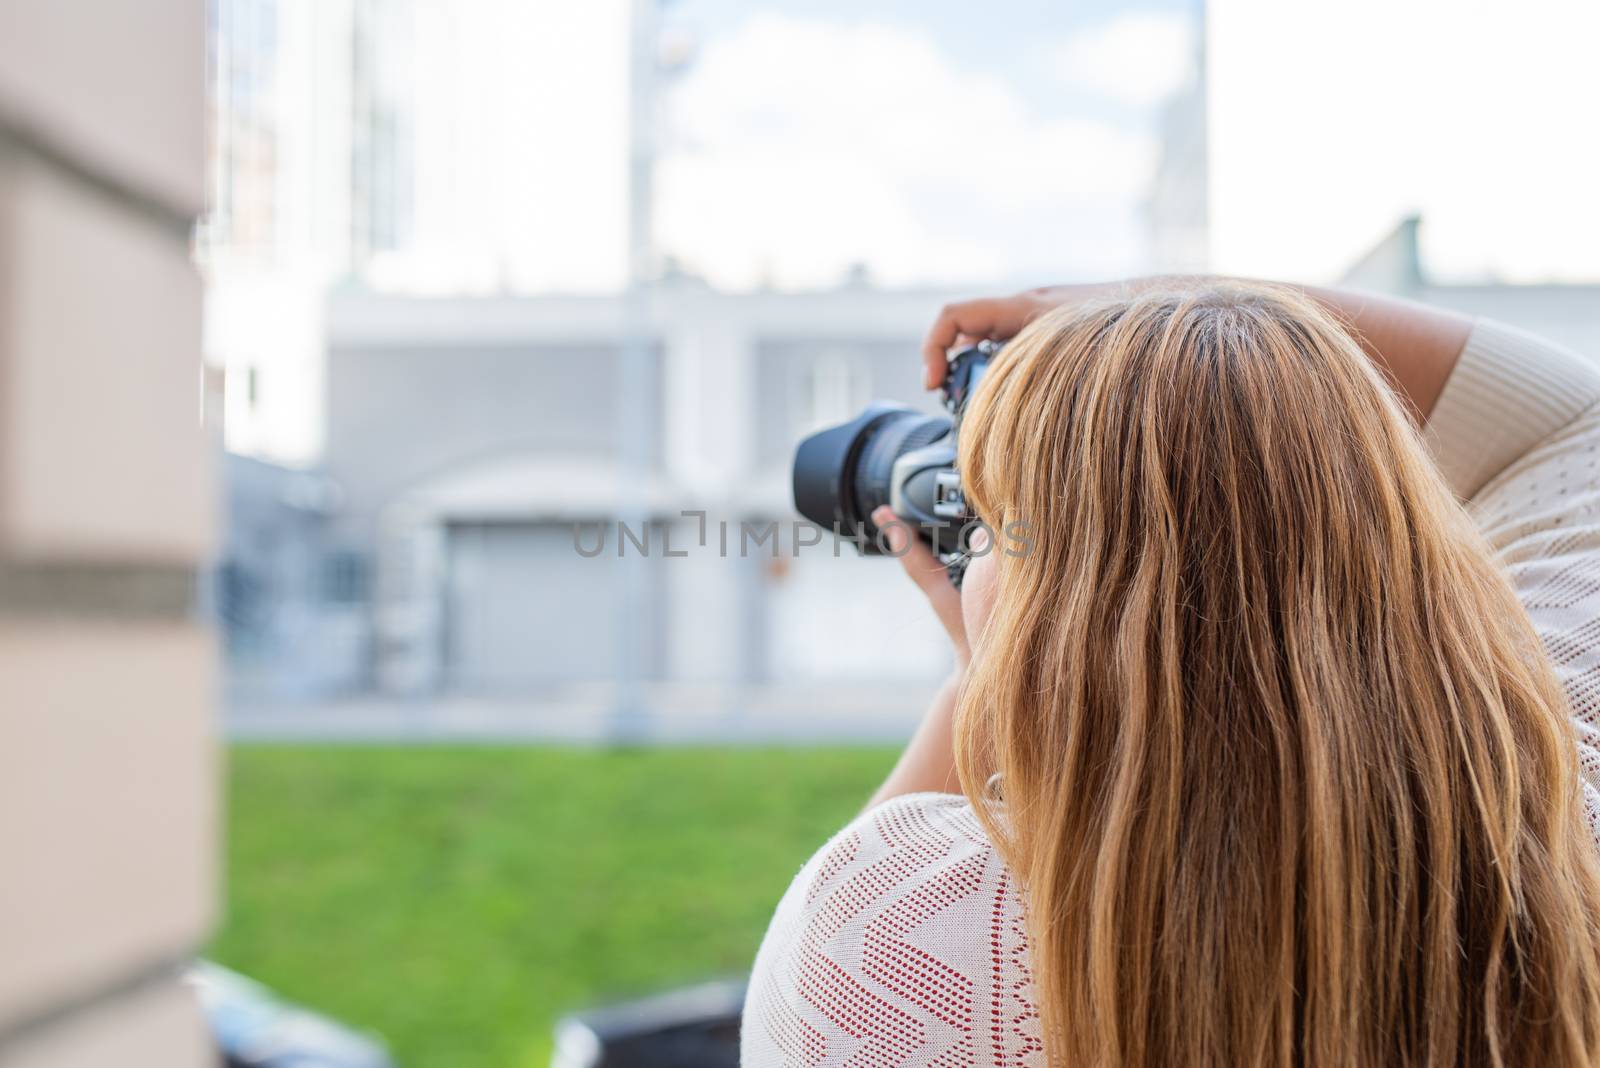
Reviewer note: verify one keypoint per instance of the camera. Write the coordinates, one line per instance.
(891, 454)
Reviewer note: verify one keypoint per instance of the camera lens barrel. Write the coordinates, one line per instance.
(895, 437)
(844, 473)
(891, 454)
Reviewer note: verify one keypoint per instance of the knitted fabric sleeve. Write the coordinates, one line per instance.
(900, 943)
(1510, 390)
(1517, 434)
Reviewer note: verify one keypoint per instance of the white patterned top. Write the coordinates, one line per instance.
(901, 942)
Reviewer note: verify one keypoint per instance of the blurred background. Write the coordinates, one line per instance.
(483, 271)
(479, 273)
(487, 282)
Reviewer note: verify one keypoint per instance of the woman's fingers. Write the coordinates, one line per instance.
(990, 318)
(912, 552)
(976, 319)
(968, 322)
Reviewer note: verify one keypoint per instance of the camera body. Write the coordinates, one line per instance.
(891, 454)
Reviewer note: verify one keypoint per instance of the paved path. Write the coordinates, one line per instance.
(678, 715)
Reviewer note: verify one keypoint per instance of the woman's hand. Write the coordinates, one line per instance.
(990, 319)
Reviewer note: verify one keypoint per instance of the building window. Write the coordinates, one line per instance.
(835, 389)
(344, 577)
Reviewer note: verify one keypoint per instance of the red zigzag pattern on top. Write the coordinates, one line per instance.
(910, 877)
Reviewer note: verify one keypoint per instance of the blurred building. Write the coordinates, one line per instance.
(1177, 204)
(291, 602)
(108, 771)
(364, 144)
(401, 146)
(469, 440)
(471, 436)
(478, 444)
(282, 220)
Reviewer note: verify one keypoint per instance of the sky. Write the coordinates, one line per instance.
(1012, 143)
(1006, 144)
(931, 143)
(1329, 121)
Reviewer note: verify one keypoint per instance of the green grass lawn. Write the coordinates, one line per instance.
(457, 900)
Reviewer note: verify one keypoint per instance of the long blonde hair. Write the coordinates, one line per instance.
(1283, 772)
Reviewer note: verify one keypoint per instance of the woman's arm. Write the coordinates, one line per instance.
(1416, 346)
(928, 763)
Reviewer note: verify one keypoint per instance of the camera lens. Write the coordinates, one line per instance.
(842, 474)
(889, 441)
(894, 455)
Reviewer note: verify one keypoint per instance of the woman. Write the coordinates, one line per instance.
(1260, 758)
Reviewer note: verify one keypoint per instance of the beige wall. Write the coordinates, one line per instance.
(108, 800)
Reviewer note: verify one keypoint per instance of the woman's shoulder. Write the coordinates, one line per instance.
(905, 844)
(904, 931)
(914, 822)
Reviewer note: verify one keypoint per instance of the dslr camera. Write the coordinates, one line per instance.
(891, 454)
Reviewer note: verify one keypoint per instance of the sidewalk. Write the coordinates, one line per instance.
(674, 715)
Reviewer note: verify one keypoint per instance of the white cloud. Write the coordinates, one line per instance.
(1139, 58)
(800, 147)
(1474, 116)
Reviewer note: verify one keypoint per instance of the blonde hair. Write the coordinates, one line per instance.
(1283, 772)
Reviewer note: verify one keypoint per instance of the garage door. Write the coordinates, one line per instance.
(851, 619)
(525, 610)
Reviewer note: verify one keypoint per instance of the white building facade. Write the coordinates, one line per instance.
(479, 446)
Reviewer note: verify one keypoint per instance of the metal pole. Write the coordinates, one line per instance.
(638, 387)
